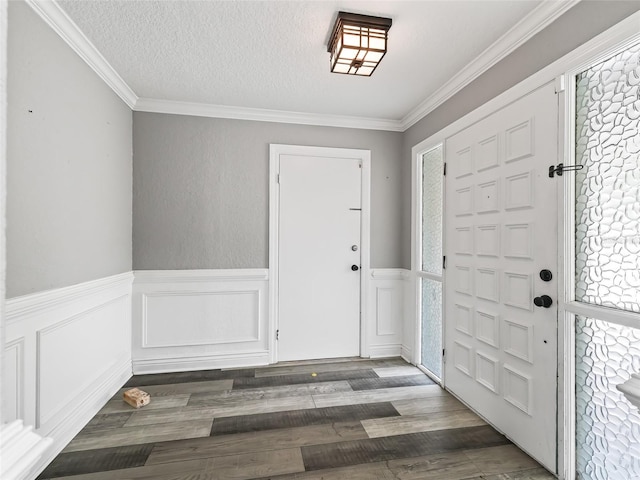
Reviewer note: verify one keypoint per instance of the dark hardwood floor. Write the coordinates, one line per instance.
(352, 419)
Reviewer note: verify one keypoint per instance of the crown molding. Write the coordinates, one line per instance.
(264, 115)
(534, 22)
(61, 23)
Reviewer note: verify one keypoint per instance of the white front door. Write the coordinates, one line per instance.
(501, 233)
(319, 256)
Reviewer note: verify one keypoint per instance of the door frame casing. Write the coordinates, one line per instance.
(275, 150)
(597, 49)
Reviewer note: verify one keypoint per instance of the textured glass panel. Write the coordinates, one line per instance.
(607, 424)
(432, 326)
(608, 187)
(432, 165)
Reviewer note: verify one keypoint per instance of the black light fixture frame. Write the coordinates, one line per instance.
(366, 21)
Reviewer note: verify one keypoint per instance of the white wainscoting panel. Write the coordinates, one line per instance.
(69, 351)
(386, 308)
(199, 319)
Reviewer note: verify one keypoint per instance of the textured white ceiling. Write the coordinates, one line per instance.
(273, 54)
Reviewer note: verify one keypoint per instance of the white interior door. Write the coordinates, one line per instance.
(501, 349)
(319, 257)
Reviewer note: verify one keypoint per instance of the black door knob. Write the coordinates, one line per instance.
(543, 301)
(354, 268)
(546, 275)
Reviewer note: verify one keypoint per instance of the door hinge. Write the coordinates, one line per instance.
(278, 334)
(561, 168)
(278, 179)
(444, 262)
(443, 353)
(444, 170)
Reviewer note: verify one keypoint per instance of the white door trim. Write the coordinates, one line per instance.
(275, 150)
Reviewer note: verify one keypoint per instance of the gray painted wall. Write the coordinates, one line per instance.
(200, 185)
(201, 189)
(580, 24)
(69, 164)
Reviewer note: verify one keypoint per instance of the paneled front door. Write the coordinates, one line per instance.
(501, 237)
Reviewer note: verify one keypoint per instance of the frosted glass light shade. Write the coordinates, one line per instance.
(358, 43)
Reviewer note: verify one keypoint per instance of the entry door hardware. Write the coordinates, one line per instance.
(543, 301)
(546, 275)
(355, 268)
(561, 168)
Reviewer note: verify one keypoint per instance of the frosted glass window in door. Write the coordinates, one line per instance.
(432, 165)
(607, 424)
(432, 326)
(608, 187)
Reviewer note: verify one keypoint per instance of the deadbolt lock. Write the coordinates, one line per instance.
(546, 275)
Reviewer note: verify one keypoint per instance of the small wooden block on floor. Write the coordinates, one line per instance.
(136, 398)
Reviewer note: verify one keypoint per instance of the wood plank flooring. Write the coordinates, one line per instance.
(336, 420)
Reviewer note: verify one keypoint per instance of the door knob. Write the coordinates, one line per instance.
(355, 268)
(543, 301)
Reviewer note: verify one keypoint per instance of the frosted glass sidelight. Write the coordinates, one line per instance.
(607, 424)
(608, 187)
(432, 326)
(432, 165)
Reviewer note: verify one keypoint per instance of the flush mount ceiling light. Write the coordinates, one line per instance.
(358, 43)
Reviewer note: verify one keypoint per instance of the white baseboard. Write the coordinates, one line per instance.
(21, 448)
(83, 412)
(382, 351)
(69, 351)
(199, 319)
(183, 364)
(407, 353)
